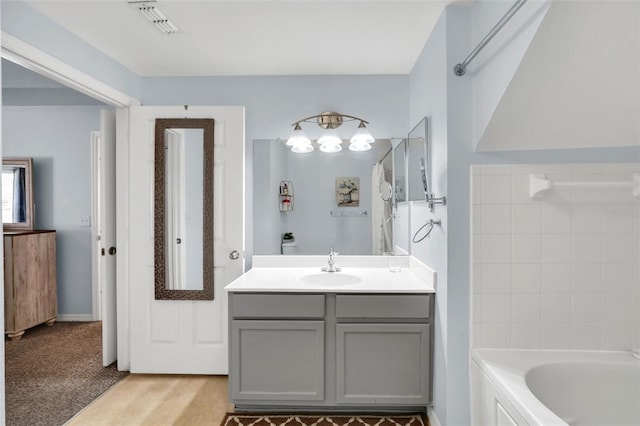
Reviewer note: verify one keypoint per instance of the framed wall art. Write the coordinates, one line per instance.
(348, 191)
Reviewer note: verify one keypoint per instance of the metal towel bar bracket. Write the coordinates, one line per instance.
(342, 213)
(429, 227)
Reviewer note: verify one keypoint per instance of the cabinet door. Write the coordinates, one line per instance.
(277, 360)
(383, 363)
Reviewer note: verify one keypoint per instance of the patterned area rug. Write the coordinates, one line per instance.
(240, 419)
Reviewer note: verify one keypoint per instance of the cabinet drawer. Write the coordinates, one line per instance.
(383, 306)
(277, 305)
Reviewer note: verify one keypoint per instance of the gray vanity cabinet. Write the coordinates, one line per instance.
(277, 360)
(342, 351)
(383, 349)
(383, 363)
(277, 347)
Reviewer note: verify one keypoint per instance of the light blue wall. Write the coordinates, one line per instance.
(314, 175)
(274, 102)
(459, 136)
(58, 139)
(391, 103)
(29, 25)
(269, 169)
(449, 101)
(428, 97)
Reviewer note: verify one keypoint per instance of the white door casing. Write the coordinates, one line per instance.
(183, 337)
(97, 274)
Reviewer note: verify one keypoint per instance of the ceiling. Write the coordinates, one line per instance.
(265, 37)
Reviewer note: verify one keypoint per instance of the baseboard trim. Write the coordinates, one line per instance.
(75, 317)
(433, 417)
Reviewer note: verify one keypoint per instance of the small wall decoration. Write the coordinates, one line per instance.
(285, 194)
(348, 191)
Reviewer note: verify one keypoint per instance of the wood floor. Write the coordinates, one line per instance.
(145, 399)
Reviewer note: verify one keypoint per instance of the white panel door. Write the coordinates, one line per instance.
(183, 337)
(108, 235)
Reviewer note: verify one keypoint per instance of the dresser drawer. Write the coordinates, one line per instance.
(277, 305)
(384, 306)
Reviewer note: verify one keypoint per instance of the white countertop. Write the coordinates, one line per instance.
(269, 275)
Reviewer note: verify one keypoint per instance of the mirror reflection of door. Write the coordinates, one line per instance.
(400, 172)
(183, 208)
(418, 162)
(13, 194)
(17, 194)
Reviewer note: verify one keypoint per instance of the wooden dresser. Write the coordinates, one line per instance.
(30, 296)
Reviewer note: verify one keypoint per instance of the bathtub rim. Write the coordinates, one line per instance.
(508, 374)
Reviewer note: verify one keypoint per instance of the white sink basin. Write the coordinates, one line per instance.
(330, 279)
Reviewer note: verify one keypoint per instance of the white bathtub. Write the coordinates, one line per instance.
(530, 387)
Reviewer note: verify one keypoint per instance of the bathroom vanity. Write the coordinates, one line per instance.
(359, 339)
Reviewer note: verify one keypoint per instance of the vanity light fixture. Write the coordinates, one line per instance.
(150, 11)
(330, 142)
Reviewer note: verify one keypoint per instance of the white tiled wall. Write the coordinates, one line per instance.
(559, 272)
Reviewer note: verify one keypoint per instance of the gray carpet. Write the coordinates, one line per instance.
(54, 372)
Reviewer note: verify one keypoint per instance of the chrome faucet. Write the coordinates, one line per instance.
(331, 267)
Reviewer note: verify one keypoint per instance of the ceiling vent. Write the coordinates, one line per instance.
(149, 9)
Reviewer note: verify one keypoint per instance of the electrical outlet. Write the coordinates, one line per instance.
(85, 220)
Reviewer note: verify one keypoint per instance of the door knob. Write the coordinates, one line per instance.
(234, 255)
(112, 250)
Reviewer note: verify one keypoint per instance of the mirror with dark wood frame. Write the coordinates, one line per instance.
(183, 245)
(17, 194)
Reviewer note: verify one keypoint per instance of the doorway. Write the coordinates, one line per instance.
(52, 124)
(43, 63)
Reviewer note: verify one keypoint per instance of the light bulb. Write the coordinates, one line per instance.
(302, 148)
(359, 146)
(330, 147)
(330, 139)
(298, 137)
(362, 135)
(330, 142)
